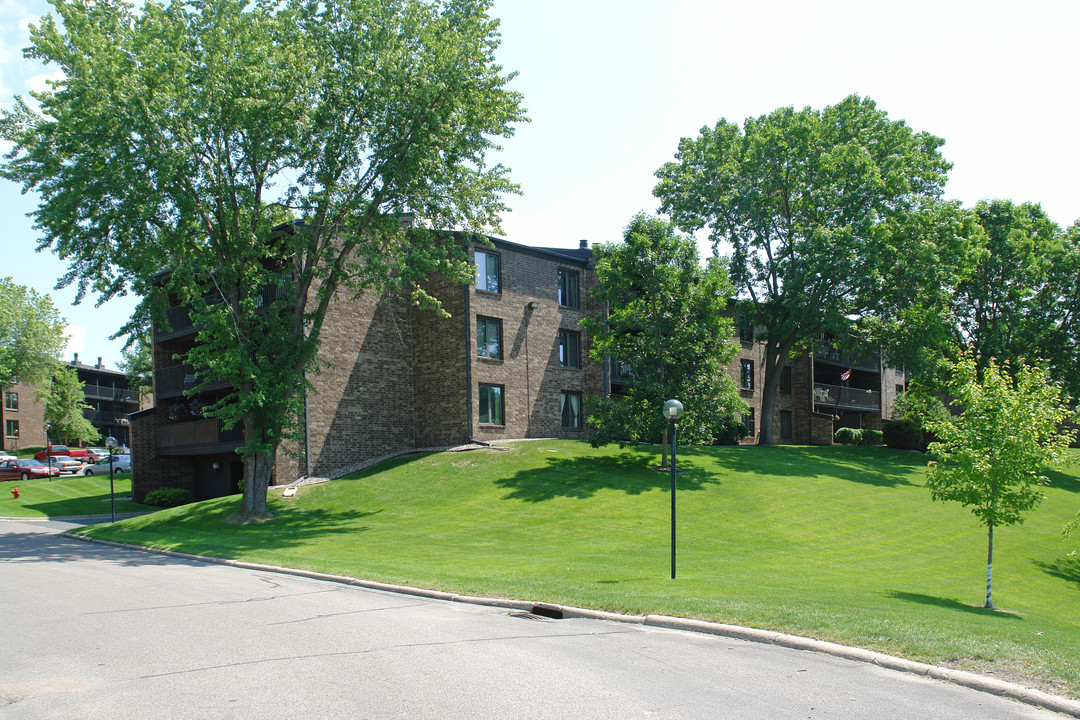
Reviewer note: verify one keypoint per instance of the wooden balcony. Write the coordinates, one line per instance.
(864, 361)
(107, 392)
(846, 398)
(197, 437)
(174, 381)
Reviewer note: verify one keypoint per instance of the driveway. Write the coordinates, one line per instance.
(94, 631)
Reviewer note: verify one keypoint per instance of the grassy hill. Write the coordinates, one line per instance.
(837, 543)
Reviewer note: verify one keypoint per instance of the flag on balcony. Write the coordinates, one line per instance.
(846, 376)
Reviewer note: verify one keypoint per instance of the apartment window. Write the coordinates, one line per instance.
(746, 328)
(487, 271)
(569, 349)
(785, 380)
(11, 400)
(491, 404)
(489, 338)
(748, 422)
(11, 428)
(568, 288)
(746, 374)
(571, 410)
(785, 425)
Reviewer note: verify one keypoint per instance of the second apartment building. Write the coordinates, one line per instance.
(511, 361)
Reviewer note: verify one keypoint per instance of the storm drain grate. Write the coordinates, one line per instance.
(539, 612)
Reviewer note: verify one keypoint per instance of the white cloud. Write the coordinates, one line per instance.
(40, 82)
(76, 340)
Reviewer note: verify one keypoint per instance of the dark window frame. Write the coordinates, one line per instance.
(11, 400)
(569, 423)
(748, 422)
(786, 425)
(11, 428)
(484, 351)
(484, 404)
(568, 299)
(564, 349)
(746, 330)
(484, 286)
(785, 380)
(746, 374)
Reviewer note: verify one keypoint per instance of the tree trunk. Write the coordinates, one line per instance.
(258, 469)
(776, 354)
(989, 566)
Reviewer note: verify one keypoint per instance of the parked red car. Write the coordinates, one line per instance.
(25, 469)
(81, 453)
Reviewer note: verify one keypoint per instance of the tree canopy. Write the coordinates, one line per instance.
(990, 457)
(31, 334)
(1003, 284)
(815, 207)
(65, 400)
(191, 135)
(666, 318)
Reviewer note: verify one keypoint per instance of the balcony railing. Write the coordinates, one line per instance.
(106, 392)
(197, 436)
(176, 380)
(865, 360)
(620, 372)
(847, 398)
(179, 319)
(105, 417)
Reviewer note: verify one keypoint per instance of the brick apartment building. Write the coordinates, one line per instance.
(511, 361)
(110, 397)
(107, 392)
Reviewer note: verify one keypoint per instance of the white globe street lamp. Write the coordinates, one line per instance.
(673, 410)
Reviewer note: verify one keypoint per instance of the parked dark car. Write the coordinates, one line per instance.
(77, 453)
(25, 470)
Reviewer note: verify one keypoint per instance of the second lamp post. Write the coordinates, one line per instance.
(673, 410)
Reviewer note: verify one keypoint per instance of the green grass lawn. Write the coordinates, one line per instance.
(837, 543)
(67, 496)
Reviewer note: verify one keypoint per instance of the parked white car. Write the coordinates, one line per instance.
(67, 466)
(120, 463)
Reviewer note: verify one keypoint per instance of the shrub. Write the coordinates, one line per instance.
(870, 437)
(168, 497)
(906, 434)
(848, 436)
(728, 432)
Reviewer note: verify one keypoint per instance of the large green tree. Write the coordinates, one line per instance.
(815, 206)
(666, 318)
(65, 400)
(1053, 317)
(1003, 283)
(31, 335)
(991, 456)
(1012, 261)
(181, 135)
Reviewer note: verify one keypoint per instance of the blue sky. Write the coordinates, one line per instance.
(611, 87)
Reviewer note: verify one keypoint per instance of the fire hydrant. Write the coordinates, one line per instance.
(15, 492)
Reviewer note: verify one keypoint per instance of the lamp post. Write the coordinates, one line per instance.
(48, 448)
(673, 410)
(110, 442)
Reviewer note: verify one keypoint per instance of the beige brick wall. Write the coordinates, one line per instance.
(530, 373)
(362, 404)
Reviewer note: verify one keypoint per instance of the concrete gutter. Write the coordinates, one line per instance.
(963, 678)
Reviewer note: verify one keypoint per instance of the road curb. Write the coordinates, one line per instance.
(974, 681)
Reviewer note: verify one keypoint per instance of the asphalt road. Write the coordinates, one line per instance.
(91, 631)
